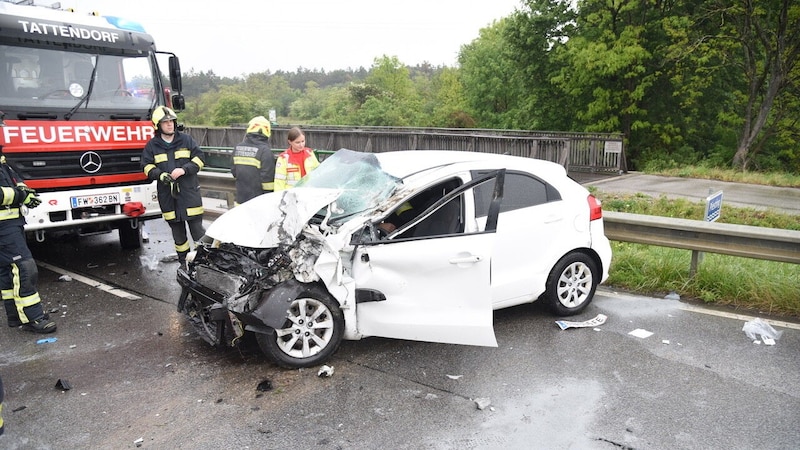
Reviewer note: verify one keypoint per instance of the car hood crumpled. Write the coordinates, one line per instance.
(271, 219)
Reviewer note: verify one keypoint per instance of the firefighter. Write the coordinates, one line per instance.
(253, 161)
(18, 273)
(174, 159)
(295, 162)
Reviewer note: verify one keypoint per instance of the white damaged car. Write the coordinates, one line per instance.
(419, 245)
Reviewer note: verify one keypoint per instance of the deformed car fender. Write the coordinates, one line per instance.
(274, 303)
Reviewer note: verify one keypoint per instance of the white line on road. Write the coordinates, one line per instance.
(777, 323)
(90, 282)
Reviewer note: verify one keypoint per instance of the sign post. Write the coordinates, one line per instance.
(713, 211)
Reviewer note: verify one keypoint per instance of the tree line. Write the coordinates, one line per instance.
(705, 82)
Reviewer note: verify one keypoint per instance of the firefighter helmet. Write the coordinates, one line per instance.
(161, 114)
(259, 124)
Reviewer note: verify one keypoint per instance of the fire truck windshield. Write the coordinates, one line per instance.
(58, 81)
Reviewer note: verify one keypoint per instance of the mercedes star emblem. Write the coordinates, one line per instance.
(91, 162)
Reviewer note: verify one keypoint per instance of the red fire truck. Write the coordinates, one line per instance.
(77, 91)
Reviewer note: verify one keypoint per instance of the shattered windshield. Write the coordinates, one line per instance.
(365, 184)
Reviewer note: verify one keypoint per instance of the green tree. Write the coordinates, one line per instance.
(492, 87)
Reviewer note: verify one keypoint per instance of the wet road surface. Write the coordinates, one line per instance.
(138, 371)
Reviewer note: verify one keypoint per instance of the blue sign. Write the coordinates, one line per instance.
(713, 206)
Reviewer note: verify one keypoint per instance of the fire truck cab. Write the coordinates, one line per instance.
(78, 91)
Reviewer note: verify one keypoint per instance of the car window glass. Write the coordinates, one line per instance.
(365, 186)
(447, 219)
(520, 191)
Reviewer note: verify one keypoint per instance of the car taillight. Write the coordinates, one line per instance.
(595, 208)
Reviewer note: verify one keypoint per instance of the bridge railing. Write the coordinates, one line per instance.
(601, 153)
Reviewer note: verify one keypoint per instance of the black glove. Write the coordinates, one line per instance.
(165, 179)
(26, 196)
(175, 189)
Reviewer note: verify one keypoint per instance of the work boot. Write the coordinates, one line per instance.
(14, 322)
(41, 325)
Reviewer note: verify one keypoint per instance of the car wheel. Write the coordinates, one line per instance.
(311, 333)
(571, 284)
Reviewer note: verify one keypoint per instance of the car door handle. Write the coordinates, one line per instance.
(466, 259)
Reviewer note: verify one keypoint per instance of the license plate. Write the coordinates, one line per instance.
(87, 201)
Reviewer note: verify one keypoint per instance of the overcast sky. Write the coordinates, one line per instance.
(239, 37)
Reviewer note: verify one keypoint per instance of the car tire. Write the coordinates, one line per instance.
(312, 332)
(571, 284)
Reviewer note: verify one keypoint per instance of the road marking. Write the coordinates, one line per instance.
(777, 323)
(90, 282)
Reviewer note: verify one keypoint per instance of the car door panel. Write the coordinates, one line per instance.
(436, 289)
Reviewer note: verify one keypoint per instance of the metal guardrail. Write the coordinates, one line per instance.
(770, 244)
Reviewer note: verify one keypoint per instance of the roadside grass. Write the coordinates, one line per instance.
(751, 284)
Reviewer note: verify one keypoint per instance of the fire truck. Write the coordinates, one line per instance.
(77, 91)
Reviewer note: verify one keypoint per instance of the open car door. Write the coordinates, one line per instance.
(433, 288)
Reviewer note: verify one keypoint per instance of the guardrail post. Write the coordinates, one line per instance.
(697, 258)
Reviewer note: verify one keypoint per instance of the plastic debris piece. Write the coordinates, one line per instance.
(482, 403)
(768, 341)
(138, 442)
(264, 386)
(49, 340)
(665, 341)
(65, 278)
(454, 377)
(599, 320)
(672, 296)
(325, 371)
(63, 384)
(151, 263)
(640, 333)
(757, 327)
(92, 266)
(170, 258)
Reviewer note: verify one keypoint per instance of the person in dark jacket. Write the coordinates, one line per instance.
(18, 273)
(253, 161)
(174, 159)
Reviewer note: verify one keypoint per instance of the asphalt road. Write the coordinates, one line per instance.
(137, 371)
(736, 194)
(139, 374)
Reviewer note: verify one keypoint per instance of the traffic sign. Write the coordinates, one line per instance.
(713, 206)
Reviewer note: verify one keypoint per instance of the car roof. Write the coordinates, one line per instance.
(403, 163)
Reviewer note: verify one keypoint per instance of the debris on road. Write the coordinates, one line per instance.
(149, 263)
(325, 371)
(454, 377)
(264, 386)
(758, 329)
(65, 278)
(599, 320)
(641, 333)
(49, 340)
(482, 403)
(63, 384)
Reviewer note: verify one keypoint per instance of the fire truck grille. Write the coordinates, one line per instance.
(55, 165)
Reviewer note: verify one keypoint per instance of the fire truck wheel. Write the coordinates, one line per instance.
(130, 238)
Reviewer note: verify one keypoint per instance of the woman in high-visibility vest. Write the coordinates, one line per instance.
(295, 162)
